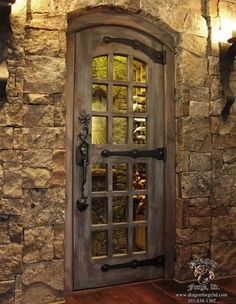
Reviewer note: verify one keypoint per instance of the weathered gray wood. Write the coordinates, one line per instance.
(70, 64)
(169, 192)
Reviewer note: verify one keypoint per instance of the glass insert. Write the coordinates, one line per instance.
(139, 99)
(99, 210)
(99, 243)
(139, 176)
(120, 209)
(139, 72)
(99, 100)
(119, 130)
(139, 207)
(99, 130)
(119, 177)
(120, 99)
(99, 67)
(120, 241)
(120, 70)
(140, 239)
(99, 177)
(139, 133)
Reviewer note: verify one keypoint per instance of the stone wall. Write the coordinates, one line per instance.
(32, 170)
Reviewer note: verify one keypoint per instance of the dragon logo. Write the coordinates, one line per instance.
(203, 270)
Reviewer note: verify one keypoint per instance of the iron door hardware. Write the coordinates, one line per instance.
(158, 153)
(158, 261)
(82, 158)
(156, 56)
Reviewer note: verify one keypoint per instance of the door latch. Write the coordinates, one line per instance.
(82, 158)
(158, 153)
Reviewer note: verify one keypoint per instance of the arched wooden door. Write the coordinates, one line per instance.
(118, 157)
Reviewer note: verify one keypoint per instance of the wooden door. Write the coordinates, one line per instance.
(118, 190)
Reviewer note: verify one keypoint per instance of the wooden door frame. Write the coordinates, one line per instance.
(83, 19)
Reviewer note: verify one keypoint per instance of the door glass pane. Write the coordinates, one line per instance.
(120, 240)
(99, 67)
(140, 239)
(99, 101)
(99, 243)
(139, 99)
(139, 73)
(99, 130)
(139, 176)
(119, 177)
(119, 130)
(139, 207)
(99, 177)
(120, 99)
(120, 209)
(139, 133)
(99, 210)
(120, 67)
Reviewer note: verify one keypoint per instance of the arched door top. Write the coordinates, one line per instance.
(100, 16)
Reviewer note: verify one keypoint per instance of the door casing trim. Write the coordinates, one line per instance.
(106, 16)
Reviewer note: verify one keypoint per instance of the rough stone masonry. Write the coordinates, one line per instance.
(32, 128)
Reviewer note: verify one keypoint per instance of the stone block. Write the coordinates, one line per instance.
(6, 138)
(197, 46)
(192, 235)
(7, 292)
(199, 93)
(48, 21)
(218, 126)
(183, 257)
(44, 75)
(59, 116)
(11, 206)
(37, 158)
(195, 184)
(10, 259)
(58, 167)
(12, 180)
(18, 139)
(222, 229)
(44, 138)
(215, 87)
(36, 178)
(200, 222)
(38, 116)
(196, 134)
(200, 161)
(37, 99)
(43, 207)
(58, 243)
(14, 114)
(15, 229)
(195, 24)
(200, 211)
(38, 244)
(41, 42)
(198, 109)
(216, 107)
(199, 202)
(224, 253)
(49, 273)
(224, 141)
(200, 251)
(4, 237)
(182, 161)
(11, 156)
(186, 69)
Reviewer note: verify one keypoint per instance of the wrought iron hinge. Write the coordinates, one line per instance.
(158, 261)
(156, 56)
(158, 153)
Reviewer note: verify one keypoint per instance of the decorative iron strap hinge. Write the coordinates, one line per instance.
(158, 153)
(156, 56)
(158, 261)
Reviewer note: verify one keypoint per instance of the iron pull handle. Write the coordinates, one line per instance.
(82, 159)
(158, 153)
